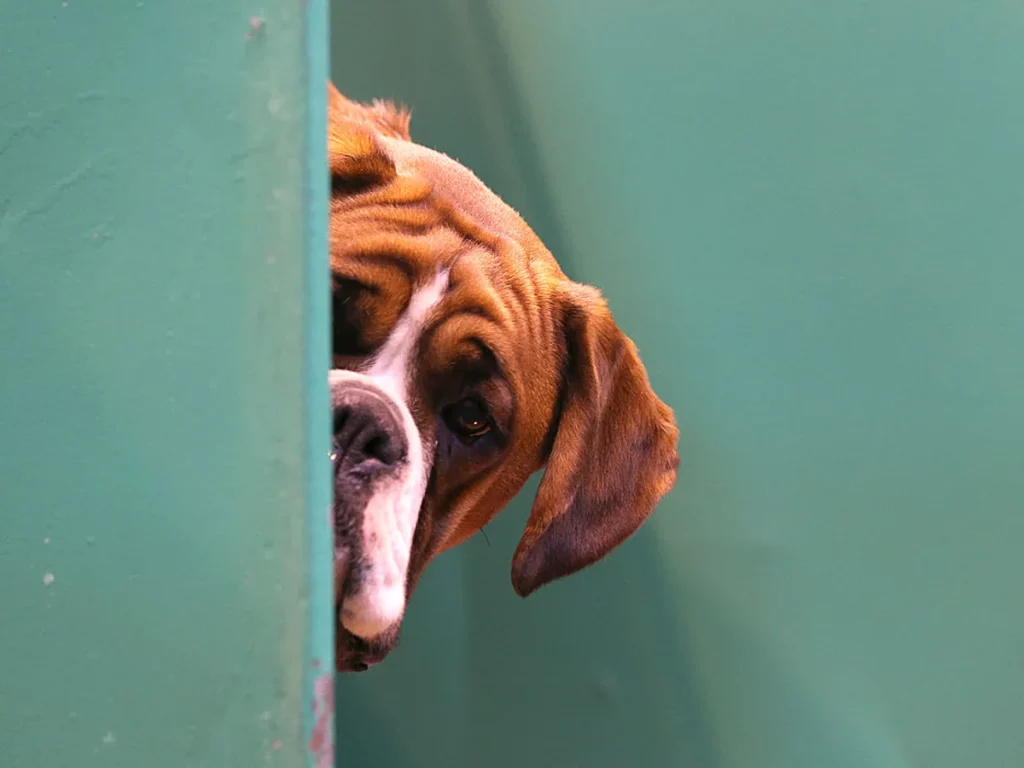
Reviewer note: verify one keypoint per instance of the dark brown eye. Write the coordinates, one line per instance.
(468, 419)
(347, 319)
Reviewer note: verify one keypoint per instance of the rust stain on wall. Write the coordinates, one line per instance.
(321, 742)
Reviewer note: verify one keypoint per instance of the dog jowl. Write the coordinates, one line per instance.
(464, 360)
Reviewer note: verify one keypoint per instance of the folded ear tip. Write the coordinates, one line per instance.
(521, 585)
(525, 580)
(522, 590)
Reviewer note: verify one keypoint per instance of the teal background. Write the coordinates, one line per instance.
(810, 217)
(163, 406)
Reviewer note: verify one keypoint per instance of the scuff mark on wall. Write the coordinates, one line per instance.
(11, 218)
(321, 742)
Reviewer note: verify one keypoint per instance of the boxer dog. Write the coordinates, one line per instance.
(464, 361)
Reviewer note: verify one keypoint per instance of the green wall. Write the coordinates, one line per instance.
(165, 550)
(809, 216)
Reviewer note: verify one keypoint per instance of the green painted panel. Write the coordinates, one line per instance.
(163, 336)
(809, 216)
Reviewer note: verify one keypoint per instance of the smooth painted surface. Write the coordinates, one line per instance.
(156, 348)
(809, 216)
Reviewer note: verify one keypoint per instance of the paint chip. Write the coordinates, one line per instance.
(321, 742)
(255, 27)
(48, 579)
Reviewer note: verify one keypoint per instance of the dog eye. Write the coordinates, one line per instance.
(468, 419)
(347, 319)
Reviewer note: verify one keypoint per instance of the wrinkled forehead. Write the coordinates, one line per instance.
(494, 289)
(457, 307)
(437, 216)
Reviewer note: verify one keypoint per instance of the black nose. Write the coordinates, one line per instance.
(369, 440)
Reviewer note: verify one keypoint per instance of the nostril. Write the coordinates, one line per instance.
(368, 435)
(377, 447)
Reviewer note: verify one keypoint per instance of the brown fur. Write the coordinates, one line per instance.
(567, 380)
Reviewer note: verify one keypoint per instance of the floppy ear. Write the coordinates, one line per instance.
(354, 150)
(613, 456)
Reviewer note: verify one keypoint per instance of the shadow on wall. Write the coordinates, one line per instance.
(590, 671)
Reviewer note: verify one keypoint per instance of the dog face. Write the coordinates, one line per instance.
(464, 361)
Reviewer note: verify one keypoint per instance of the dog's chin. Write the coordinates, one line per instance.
(354, 654)
(351, 652)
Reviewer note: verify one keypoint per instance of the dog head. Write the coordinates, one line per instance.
(464, 361)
